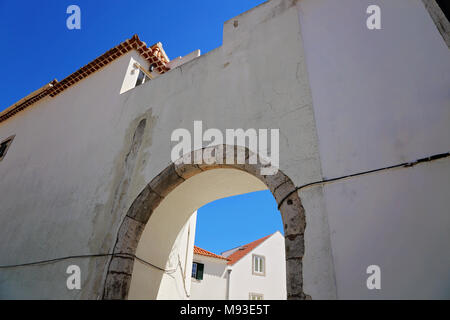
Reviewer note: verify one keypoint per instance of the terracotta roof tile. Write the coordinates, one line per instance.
(154, 54)
(242, 251)
(206, 253)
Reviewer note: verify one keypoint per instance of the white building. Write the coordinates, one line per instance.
(363, 118)
(209, 279)
(254, 271)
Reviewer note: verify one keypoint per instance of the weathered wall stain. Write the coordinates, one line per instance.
(107, 216)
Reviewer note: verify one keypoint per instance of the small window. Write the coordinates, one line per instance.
(259, 265)
(4, 146)
(255, 296)
(197, 270)
(142, 78)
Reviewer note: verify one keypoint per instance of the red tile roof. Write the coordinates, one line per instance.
(242, 251)
(154, 55)
(206, 253)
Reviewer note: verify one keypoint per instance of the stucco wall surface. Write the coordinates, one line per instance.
(381, 97)
(273, 284)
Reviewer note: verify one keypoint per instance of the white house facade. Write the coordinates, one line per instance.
(255, 271)
(209, 277)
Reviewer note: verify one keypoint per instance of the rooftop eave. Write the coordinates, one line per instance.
(153, 55)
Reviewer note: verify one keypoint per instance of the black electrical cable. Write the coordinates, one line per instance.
(405, 164)
(120, 255)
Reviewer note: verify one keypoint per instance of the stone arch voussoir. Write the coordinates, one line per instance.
(118, 277)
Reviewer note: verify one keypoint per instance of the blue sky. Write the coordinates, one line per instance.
(37, 47)
(234, 221)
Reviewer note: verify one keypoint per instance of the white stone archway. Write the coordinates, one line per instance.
(168, 202)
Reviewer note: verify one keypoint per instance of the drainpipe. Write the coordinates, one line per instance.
(228, 284)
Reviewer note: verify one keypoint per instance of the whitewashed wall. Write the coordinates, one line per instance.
(214, 283)
(273, 284)
(59, 185)
(381, 97)
(181, 257)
